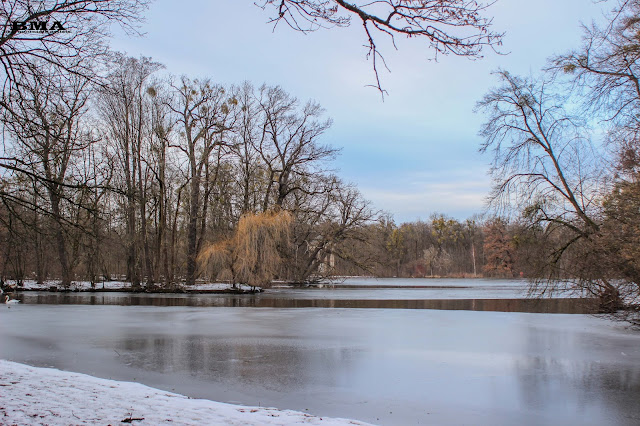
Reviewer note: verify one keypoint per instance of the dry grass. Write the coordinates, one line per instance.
(251, 254)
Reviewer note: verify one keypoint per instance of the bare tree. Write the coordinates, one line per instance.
(498, 249)
(249, 171)
(205, 115)
(470, 230)
(327, 221)
(125, 108)
(457, 27)
(545, 166)
(96, 171)
(543, 159)
(60, 41)
(605, 70)
(63, 33)
(395, 247)
(45, 118)
(163, 170)
(288, 144)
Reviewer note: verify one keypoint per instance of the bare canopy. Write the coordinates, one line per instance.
(458, 27)
(61, 32)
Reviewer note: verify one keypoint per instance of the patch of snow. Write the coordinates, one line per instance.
(31, 395)
(75, 285)
(221, 286)
(118, 285)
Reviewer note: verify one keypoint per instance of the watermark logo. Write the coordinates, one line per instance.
(38, 27)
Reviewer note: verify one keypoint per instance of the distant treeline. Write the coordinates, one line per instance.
(445, 247)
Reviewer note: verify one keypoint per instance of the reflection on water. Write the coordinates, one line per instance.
(543, 379)
(550, 306)
(392, 366)
(274, 367)
(459, 283)
(391, 354)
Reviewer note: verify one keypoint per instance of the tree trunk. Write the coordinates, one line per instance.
(192, 231)
(61, 246)
(473, 258)
(174, 236)
(148, 269)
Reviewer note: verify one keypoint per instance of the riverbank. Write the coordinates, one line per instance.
(227, 288)
(125, 286)
(34, 396)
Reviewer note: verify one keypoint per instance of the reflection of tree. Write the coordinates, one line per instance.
(579, 377)
(246, 361)
(546, 305)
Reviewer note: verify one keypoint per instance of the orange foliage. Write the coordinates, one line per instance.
(251, 254)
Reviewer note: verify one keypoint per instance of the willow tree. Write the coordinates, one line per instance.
(252, 254)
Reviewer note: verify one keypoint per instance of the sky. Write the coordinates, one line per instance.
(413, 154)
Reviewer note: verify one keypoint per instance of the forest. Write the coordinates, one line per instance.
(114, 168)
(144, 174)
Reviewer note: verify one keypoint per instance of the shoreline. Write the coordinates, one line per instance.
(53, 286)
(37, 395)
(132, 291)
(125, 287)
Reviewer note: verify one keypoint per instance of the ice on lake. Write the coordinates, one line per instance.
(384, 366)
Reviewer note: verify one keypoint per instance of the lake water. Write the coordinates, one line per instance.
(396, 356)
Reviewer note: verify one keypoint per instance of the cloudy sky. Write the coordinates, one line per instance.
(412, 155)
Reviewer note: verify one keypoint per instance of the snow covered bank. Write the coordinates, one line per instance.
(123, 285)
(34, 396)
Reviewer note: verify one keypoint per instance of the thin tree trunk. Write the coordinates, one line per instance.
(174, 236)
(161, 243)
(37, 241)
(473, 257)
(143, 226)
(61, 246)
(192, 230)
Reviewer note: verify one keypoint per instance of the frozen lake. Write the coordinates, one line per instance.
(443, 294)
(389, 365)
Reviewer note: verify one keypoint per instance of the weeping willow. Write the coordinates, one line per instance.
(251, 254)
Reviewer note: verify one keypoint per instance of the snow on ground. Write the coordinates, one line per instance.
(119, 285)
(76, 285)
(220, 286)
(46, 396)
